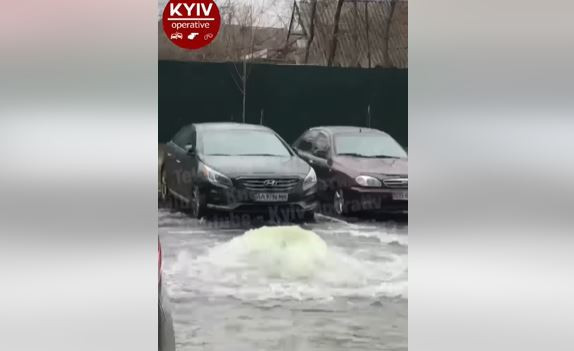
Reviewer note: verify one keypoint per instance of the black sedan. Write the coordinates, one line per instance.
(239, 168)
(359, 169)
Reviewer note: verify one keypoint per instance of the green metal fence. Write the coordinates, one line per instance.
(288, 99)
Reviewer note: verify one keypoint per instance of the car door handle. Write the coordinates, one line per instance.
(169, 154)
(178, 161)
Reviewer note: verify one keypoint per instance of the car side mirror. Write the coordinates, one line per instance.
(189, 149)
(321, 153)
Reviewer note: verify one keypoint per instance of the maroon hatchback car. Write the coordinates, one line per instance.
(358, 169)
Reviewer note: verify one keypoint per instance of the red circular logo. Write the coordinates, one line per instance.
(191, 24)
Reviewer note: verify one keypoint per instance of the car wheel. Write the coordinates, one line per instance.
(197, 203)
(309, 216)
(164, 194)
(339, 204)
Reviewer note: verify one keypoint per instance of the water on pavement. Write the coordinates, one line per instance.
(328, 285)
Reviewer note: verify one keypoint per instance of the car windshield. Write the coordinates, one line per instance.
(242, 143)
(368, 145)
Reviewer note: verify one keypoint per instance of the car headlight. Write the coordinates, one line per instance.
(214, 177)
(368, 181)
(310, 179)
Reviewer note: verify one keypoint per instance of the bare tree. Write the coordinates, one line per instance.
(388, 24)
(334, 39)
(311, 29)
(367, 34)
(352, 32)
(242, 26)
(356, 20)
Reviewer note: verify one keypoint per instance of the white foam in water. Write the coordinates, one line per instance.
(287, 262)
(385, 238)
(286, 252)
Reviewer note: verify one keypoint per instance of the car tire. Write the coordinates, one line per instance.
(197, 203)
(309, 216)
(339, 202)
(164, 194)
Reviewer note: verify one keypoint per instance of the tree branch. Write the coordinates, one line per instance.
(334, 39)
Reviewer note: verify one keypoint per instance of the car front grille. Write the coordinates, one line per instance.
(396, 183)
(269, 184)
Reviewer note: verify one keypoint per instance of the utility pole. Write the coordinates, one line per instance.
(244, 86)
(245, 61)
(369, 116)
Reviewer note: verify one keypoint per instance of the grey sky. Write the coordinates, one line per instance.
(278, 10)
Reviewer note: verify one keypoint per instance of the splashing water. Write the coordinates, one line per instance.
(275, 252)
(287, 262)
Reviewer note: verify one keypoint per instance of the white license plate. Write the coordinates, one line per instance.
(402, 195)
(270, 197)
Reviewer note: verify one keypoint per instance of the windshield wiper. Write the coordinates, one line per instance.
(351, 154)
(218, 154)
(383, 156)
(259, 155)
(365, 156)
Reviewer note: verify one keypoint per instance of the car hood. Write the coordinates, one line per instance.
(234, 166)
(356, 166)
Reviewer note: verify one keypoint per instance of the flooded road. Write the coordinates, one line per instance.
(328, 285)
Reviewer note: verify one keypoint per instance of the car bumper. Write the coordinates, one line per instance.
(238, 200)
(361, 199)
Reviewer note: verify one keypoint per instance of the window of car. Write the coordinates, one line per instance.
(242, 143)
(321, 145)
(185, 137)
(368, 145)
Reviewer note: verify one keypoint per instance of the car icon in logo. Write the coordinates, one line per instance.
(270, 182)
(176, 35)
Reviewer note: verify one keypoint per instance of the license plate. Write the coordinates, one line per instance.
(270, 197)
(402, 195)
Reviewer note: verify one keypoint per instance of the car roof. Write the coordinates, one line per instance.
(229, 126)
(346, 129)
